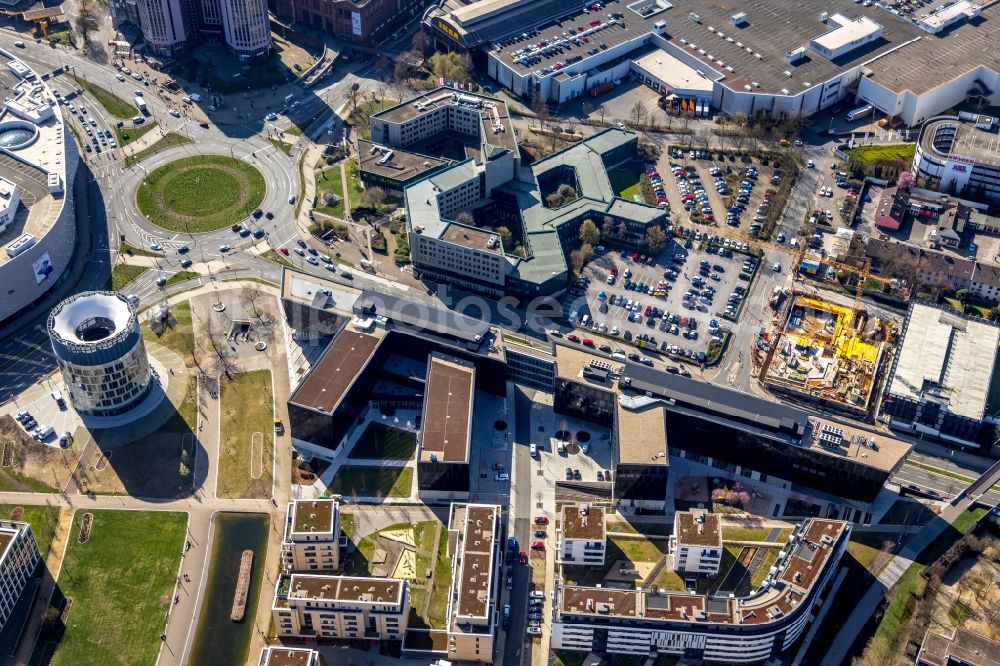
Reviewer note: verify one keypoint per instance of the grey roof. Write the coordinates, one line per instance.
(422, 317)
(421, 197)
(946, 358)
(744, 407)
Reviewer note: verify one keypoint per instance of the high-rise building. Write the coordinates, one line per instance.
(246, 27)
(167, 25)
(98, 345)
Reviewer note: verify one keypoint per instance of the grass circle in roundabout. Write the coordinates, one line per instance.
(200, 193)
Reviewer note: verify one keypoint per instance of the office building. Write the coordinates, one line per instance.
(19, 557)
(940, 380)
(696, 544)
(960, 156)
(37, 218)
(361, 23)
(98, 346)
(473, 546)
(341, 607)
(445, 438)
(276, 655)
(311, 540)
(961, 648)
(167, 25)
(246, 27)
(581, 537)
(750, 629)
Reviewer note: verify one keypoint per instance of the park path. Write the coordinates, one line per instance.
(343, 184)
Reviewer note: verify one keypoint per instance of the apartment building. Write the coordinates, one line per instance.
(276, 655)
(696, 544)
(311, 541)
(750, 629)
(473, 543)
(358, 22)
(19, 557)
(341, 607)
(581, 537)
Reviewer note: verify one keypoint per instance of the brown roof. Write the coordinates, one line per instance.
(963, 645)
(282, 656)
(328, 381)
(799, 571)
(476, 555)
(642, 435)
(345, 588)
(931, 262)
(313, 515)
(473, 238)
(447, 419)
(402, 166)
(576, 525)
(691, 532)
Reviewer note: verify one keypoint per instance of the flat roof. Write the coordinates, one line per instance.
(477, 528)
(962, 646)
(346, 588)
(318, 515)
(448, 401)
(402, 165)
(847, 30)
(946, 358)
(342, 361)
(698, 528)
(583, 522)
(284, 656)
(925, 64)
(773, 28)
(969, 141)
(944, 14)
(676, 73)
(803, 563)
(642, 434)
(317, 292)
(471, 237)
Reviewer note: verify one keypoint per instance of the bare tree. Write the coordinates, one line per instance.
(638, 114)
(373, 197)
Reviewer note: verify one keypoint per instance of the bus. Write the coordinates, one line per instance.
(859, 112)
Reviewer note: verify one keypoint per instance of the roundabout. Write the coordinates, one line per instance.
(200, 193)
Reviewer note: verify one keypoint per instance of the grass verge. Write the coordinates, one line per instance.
(127, 135)
(169, 140)
(111, 102)
(286, 148)
(122, 274)
(246, 407)
(364, 481)
(180, 276)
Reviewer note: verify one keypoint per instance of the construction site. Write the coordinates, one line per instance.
(824, 352)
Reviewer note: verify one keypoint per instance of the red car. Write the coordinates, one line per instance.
(283, 249)
(647, 311)
(541, 520)
(523, 558)
(635, 256)
(588, 342)
(572, 338)
(538, 545)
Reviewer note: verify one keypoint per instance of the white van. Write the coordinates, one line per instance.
(584, 319)
(533, 450)
(561, 447)
(619, 356)
(58, 397)
(43, 434)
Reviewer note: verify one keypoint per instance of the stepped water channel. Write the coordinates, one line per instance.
(219, 640)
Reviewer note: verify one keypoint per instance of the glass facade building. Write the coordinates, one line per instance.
(98, 345)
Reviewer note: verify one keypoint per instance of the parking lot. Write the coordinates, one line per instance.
(674, 303)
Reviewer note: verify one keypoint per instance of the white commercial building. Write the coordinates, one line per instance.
(19, 557)
(960, 156)
(341, 607)
(948, 15)
(755, 628)
(696, 544)
(581, 537)
(311, 540)
(10, 199)
(849, 34)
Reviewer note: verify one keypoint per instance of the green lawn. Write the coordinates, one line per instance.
(246, 407)
(865, 547)
(121, 583)
(169, 140)
(364, 481)
(438, 607)
(180, 276)
(354, 188)
(122, 274)
(200, 193)
(112, 103)
(893, 151)
(381, 441)
(329, 180)
(347, 524)
(669, 580)
(770, 557)
(43, 519)
(277, 258)
(178, 337)
(745, 533)
(127, 135)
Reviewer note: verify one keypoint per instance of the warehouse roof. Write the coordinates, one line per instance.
(342, 362)
(947, 358)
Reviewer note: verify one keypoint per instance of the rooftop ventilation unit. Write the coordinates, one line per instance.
(738, 19)
(694, 17)
(755, 84)
(788, 74)
(729, 68)
(711, 29)
(785, 91)
(758, 56)
(823, 16)
(795, 55)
